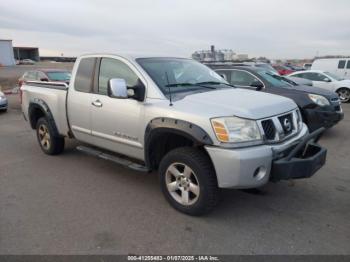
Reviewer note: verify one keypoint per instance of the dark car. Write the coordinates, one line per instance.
(319, 107)
(46, 75)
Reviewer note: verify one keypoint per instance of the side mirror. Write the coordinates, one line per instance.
(44, 79)
(223, 76)
(117, 88)
(257, 84)
(327, 80)
(137, 91)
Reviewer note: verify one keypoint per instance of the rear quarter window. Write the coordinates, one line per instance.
(84, 76)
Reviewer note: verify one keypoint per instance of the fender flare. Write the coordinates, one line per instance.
(184, 128)
(43, 107)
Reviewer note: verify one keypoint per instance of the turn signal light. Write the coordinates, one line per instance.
(220, 131)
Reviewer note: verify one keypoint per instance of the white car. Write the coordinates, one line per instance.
(328, 81)
(337, 66)
(3, 102)
(26, 62)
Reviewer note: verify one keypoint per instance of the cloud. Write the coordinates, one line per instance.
(273, 28)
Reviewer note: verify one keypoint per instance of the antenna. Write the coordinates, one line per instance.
(170, 96)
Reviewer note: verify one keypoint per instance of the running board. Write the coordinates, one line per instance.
(122, 161)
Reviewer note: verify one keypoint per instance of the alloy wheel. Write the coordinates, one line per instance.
(44, 137)
(182, 184)
(344, 95)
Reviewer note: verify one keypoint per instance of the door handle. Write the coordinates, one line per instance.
(97, 103)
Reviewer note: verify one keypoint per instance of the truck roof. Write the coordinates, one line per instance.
(134, 56)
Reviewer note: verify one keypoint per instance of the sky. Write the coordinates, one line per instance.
(277, 29)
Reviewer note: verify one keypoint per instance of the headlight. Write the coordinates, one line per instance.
(299, 119)
(235, 130)
(320, 100)
(2, 97)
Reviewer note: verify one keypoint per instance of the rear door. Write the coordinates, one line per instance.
(116, 123)
(80, 98)
(341, 67)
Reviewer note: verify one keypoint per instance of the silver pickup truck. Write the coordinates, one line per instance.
(176, 116)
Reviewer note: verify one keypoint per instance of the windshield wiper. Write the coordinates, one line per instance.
(189, 84)
(180, 84)
(213, 83)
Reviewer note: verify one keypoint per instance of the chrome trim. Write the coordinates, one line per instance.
(53, 85)
(280, 135)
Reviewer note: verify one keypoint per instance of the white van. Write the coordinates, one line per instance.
(337, 66)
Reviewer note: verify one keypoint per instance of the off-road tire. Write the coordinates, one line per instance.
(202, 167)
(56, 142)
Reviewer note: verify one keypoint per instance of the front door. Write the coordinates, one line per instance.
(116, 123)
(318, 79)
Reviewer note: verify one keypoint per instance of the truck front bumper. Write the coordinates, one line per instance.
(253, 167)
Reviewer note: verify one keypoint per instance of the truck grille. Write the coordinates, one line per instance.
(269, 129)
(286, 123)
(279, 128)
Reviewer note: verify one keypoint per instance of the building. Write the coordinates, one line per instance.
(241, 57)
(21, 53)
(213, 55)
(6, 53)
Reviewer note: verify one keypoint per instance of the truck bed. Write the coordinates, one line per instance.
(54, 95)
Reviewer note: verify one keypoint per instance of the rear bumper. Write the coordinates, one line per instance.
(254, 166)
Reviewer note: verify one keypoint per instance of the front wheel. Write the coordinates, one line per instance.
(344, 95)
(188, 181)
(49, 142)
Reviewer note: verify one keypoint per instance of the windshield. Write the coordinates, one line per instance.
(334, 76)
(59, 76)
(274, 79)
(181, 75)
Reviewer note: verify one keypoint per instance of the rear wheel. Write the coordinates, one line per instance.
(50, 143)
(344, 94)
(188, 181)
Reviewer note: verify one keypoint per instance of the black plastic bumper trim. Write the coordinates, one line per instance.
(303, 161)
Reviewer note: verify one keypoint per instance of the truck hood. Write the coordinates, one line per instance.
(239, 102)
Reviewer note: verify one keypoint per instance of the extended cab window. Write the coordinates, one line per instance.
(113, 68)
(84, 76)
(348, 65)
